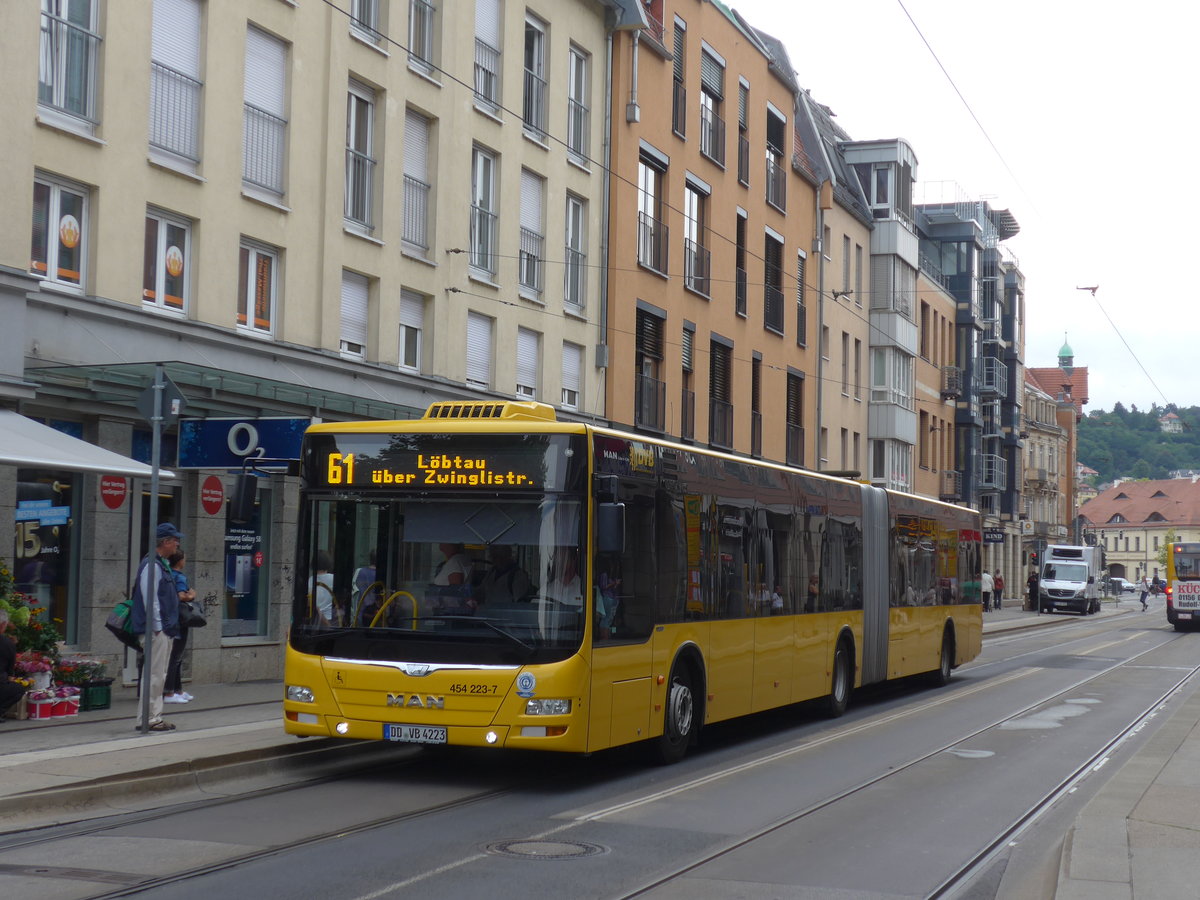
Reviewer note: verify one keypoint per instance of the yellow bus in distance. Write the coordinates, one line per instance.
(1183, 585)
(490, 576)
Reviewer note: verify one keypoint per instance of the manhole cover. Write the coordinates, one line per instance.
(545, 849)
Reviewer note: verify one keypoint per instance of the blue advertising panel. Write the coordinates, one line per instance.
(226, 443)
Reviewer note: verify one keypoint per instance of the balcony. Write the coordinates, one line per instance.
(416, 214)
(720, 424)
(697, 260)
(483, 240)
(679, 108)
(687, 415)
(712, 135)
(652, 243)
(995, 376)
(795, 445)
(952, 382)
(174, 112)
(577, 130)
(360, 176)
(756, 447)
(67, 67)
(776, 184)
(650, 402)
(951, 488)
(743, 159)
(575, 287)
(739, 291)
(773, 308)
(534, 106)
(487, 76)
(992, 475)
(529, 262)
(262, 149)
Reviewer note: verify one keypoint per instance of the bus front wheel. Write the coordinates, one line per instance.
(679, 719)
(841, 681)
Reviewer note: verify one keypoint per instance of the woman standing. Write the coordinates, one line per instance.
(173, 691)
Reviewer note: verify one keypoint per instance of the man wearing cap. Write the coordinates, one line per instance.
(155, 580)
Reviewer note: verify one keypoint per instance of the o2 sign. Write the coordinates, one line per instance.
(227, 443)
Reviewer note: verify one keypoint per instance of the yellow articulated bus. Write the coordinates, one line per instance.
(1183, 585)
(489, 576)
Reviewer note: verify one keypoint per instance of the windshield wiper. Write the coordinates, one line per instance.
(504, 632)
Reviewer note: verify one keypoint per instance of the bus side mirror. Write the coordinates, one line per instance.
(241, 503)
(610, 528)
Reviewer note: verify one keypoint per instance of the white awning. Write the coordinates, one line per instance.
(24, 442)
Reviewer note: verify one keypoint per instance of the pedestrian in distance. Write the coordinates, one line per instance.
(1145, 585)
(987, 585)
(173, 691)
(10, 691)
(156, 600)
(1031, 585)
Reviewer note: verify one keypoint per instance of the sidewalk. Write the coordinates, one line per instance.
(97, 763)
(1138, 838)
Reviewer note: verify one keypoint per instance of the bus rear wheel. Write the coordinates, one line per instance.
(679, 718)
(841, 681)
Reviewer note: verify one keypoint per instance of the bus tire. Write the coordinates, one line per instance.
(941, 675)
(679, 717)
(841, 680)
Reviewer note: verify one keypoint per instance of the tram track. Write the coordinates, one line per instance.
(967, 871)
(947, 888)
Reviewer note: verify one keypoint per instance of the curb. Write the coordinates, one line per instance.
(114, 794)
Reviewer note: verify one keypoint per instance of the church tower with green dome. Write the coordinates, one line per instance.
(1066, 357)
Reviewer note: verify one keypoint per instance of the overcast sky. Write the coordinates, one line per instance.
(1083, 104)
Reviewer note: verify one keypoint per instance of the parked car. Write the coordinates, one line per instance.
(1121, 586)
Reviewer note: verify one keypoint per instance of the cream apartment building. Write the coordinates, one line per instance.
(302, 211)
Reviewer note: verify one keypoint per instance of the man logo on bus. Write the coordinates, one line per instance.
(412, 701)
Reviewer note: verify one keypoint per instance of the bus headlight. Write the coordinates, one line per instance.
(547, 707)
(299, 694)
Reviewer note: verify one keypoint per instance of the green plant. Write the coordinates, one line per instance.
(25, 626)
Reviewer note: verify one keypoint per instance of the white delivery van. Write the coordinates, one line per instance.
(1070, 579)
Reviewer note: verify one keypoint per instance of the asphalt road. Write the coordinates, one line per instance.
(916, 790)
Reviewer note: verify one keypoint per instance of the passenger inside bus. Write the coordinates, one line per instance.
(504, 582)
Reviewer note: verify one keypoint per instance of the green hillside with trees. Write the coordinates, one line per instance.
(1130, 443)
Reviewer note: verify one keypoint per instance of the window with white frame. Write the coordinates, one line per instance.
(364, 20)
(67, 56)
(533, 97)
(421, 24)
(356, 294)
(487, 54)
(578, 112)
(479, 350)
(167, 263)
(532, 250)
(483, 211)
(572, 375)
(360, 155)
(175, 83)
(415, 235)
(712, 92)
(575, 287)
(891, 377)
(60, 230)
(529, 360)
(696, 254)
(412, 328)
(265, 95)
(257, 273)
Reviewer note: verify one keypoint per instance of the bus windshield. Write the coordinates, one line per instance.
(448, 573)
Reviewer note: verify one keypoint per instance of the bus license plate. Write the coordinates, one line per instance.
(415, 734)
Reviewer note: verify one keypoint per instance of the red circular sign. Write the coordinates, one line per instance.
(212, 495)
(113, 489)
(258, 559)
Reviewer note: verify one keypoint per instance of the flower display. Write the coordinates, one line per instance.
(26, 625)
(35, 696)
(30, 662)
(78, 670)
